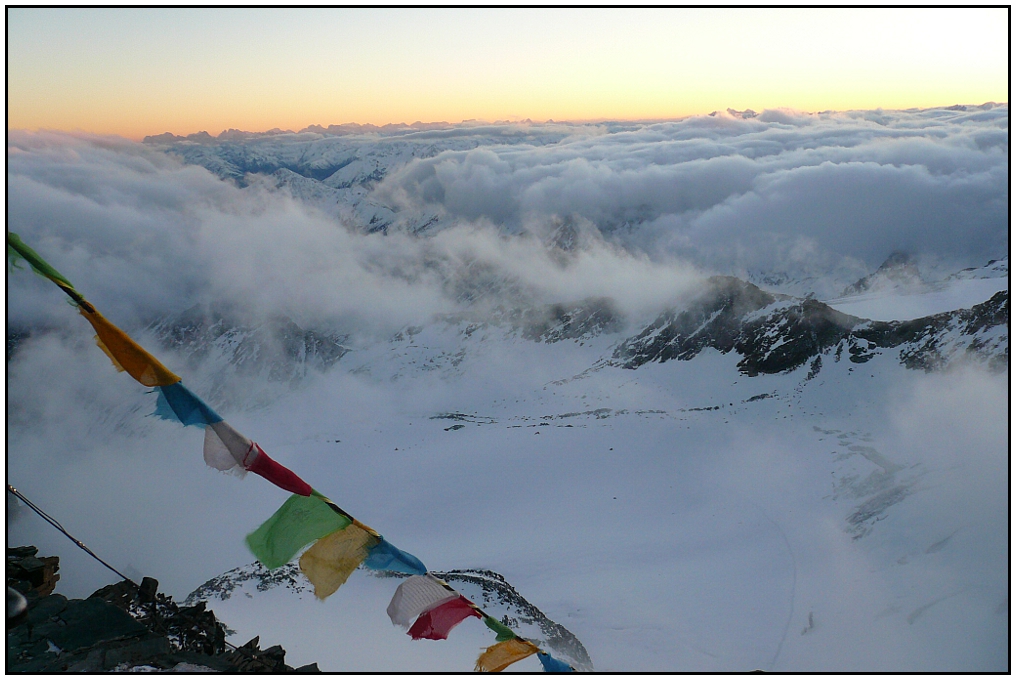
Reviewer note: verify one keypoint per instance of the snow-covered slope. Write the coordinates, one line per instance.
(684, 515)
(241, 595)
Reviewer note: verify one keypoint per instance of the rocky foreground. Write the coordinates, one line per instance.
(120, 627)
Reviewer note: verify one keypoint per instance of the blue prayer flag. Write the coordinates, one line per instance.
(552, 665)
(176, 402)
(385, 556)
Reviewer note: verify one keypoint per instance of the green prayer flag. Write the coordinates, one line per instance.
(16, 248)
(300, 521)
(504, 633)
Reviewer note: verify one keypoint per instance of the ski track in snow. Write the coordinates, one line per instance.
(793, 588)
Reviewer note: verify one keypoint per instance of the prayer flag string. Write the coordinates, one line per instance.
(340, 542)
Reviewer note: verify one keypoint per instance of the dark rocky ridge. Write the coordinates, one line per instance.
(777, 334)
(119, 627)
(568, 321)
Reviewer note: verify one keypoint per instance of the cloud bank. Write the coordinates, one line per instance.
(143, 235)
(774, 191)
(639, 209)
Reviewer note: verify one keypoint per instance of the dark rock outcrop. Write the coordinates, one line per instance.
(931, 342)
(119, 627)
(29, 574)
(557, 322)
(787, 338)
(583, 319)
(712, 320)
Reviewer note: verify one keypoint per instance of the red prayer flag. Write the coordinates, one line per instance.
(277, 474)
(438, 622)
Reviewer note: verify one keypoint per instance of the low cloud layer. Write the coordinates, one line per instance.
(143, 235)
(639, 208)
(784, 189)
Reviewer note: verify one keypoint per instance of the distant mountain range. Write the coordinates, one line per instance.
(773, 333)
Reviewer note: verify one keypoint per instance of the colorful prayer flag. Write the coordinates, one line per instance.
(503, 631)
(416, 595)
(277, 474)
(552, 665)
(176, 402)
(226, 449)
(498, 657)
(16, 249)
(330, 561)
(300, 520)
(386, 557)
(436, 623)
(126, 354)
(342, 543)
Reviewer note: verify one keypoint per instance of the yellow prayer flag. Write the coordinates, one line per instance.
(366, 528)
(128, 355)
(498, 657)
(331, 560)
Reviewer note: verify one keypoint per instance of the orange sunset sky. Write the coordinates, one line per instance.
(135, 72)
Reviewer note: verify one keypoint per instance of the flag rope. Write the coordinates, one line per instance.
(59, 527)
(128, 356)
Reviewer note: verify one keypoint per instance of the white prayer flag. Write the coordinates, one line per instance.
(225, 448)
(416, 595)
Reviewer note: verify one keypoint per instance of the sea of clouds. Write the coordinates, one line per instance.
(781, 190)
(824, 197)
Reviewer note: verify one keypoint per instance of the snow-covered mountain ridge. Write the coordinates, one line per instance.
(775, 334)
(770, 332)
(487, 589)
(336, 171)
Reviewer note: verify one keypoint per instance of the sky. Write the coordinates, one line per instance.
(135, 72)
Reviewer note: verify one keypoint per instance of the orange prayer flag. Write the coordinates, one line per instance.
(128, 355)
(498, 657)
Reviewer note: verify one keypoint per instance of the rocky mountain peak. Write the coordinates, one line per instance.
(776, 334)
(899, 271)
